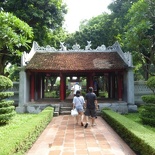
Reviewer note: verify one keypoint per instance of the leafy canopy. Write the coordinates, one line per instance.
(15, 37)
(41, 15)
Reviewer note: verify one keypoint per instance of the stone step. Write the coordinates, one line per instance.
(65, 110)
(56, 114)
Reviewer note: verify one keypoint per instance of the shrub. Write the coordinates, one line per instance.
(148, 114)
(139, 138)
(151, 83)
(52, 94)
(148, 98)
(7, 110)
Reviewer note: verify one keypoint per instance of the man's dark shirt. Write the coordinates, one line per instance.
(90, 98)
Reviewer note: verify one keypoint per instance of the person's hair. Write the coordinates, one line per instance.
(90, 89)
(77, 93)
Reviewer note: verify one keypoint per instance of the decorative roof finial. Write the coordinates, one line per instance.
(63, 48)
(88, 46)
(76, 47)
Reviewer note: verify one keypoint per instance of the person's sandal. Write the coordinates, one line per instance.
(86, 125)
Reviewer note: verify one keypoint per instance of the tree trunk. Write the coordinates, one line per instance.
(2, 64)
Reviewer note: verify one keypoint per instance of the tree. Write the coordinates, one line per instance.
(99, 30)
(54, 37)
(119, 9)
(105, 28)
(44, 16)
(15, 37)
(140, 32)
(12, 72)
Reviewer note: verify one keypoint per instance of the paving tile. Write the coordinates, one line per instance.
(95, 153)
(63, 137)
(68, 145)
(55, 152)
(68, 153)
(81, 152)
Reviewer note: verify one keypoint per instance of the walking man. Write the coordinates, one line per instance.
(91, 106)
(76, 87)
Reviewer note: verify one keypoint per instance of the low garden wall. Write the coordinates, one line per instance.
(15, 89)
(140, 89)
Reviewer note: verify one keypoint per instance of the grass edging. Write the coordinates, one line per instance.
(139, 138)
(22, 138)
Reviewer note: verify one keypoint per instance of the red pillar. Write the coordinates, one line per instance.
(87, 83)
(113, 86)
(106, 83)
(62, 87)
(109, 85)
(120, 87)
(32, 88)
(90, 80)
(39, 86)
(43, 86)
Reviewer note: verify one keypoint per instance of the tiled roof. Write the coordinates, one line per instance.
(71, 61)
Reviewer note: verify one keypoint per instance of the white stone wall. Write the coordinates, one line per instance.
(140, 89)
(15, 89)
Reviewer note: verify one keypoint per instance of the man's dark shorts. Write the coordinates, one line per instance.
(90, 112)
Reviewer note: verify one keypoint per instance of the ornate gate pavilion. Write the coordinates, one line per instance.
(111, 62)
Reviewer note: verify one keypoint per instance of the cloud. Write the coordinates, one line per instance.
(79, 10)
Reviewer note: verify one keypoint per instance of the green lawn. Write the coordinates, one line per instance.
(136, 117)
(17, 121)
(22, 131)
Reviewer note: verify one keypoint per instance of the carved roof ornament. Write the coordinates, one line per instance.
(88, 46)
(38, 48)
(76, 47)
(101, 48)
(63, 47)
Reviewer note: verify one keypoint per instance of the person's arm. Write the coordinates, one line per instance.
(73, 106)
(96, 104)
(85, 104)
(74, 103)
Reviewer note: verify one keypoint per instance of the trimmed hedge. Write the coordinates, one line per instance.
(151, 83)
(7, 110)
(147, 115)
(148, 98)
(140, 139)
(21, 139)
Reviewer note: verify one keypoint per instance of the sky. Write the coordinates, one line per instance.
(79, 10)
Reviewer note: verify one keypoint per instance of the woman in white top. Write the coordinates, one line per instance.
(78, 103)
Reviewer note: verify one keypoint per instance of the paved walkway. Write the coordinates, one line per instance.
(63, 137)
